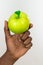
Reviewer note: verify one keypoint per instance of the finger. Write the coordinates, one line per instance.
(6, 30)
(29, 45)
(31, 25)
(28, 40)
(25, 35)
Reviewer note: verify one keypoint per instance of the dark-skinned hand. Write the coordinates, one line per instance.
(17, 44)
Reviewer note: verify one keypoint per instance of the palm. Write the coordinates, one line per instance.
(16, 46)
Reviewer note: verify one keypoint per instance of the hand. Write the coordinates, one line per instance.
(17, 44)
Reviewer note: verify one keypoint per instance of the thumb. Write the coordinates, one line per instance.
(6, 30)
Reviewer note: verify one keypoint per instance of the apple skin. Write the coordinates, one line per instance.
(18, 22)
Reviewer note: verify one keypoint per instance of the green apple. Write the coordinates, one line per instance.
(18, 22)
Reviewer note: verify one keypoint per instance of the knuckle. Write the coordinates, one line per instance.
(31, 44)
(30, 38)
(27, 32)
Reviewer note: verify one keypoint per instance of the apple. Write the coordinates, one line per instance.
(18, 22)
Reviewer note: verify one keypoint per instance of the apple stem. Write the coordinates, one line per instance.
(18, 13)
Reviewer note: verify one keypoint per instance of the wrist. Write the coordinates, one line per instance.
(10, 57)
(7, 59)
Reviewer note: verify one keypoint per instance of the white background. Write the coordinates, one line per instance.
(34, 9)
